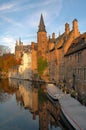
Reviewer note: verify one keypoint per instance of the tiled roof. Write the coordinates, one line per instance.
(62, 37)
(77, 45)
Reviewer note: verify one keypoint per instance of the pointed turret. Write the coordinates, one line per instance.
(42, 38)
(41, 25)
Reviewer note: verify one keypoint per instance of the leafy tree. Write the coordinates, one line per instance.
(42, 65)
(7, 61)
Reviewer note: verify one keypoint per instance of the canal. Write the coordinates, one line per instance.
(24, 105)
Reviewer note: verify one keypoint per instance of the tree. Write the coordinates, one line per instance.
(42, 65)
(7, 61)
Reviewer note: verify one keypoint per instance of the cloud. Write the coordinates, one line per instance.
(8, 41)
(49, 8)
(6, 6)
(9, 20)
(21, 18)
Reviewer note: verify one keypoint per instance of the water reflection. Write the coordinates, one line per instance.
(26, 106)
(6, 91)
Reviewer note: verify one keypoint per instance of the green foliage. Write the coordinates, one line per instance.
(42, 65)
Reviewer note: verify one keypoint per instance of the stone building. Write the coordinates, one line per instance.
(56, 51)
(60, 46)
(75, 64)
(20, 48)
(23, 71)
(42, 39)
(34, 57)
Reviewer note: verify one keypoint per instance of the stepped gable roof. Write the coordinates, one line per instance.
(77, 45)
(62, 39)
(58, 41)
(41, 25)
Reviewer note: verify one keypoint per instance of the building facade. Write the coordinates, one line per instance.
(75, 64)
(23, 71)
(56, 51)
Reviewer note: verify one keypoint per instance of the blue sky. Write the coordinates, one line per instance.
(20, 18)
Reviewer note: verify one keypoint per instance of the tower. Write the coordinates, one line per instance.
(42, 38)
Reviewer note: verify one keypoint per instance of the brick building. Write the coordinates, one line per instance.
(75, 64)
(57, 52)
(20, 48)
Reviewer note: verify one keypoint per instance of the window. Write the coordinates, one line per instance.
(79, 57)
(74, 70)
(75, 56)
(79, 73)
(84, 73)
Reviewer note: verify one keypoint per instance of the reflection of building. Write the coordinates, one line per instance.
(47, 110)
(43, 117)
(48, 115)
(34, 102)
(27, 96)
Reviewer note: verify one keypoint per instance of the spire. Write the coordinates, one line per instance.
(41, 25)
(19, 40)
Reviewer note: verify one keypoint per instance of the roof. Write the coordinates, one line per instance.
(58, 40)
(52, 40)
(77, 45)
(41, 25)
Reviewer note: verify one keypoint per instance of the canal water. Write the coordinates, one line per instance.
(24, 105)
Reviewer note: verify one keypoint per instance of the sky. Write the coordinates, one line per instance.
(20, 18)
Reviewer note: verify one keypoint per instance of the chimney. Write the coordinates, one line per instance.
(75, 28)
(67, 28)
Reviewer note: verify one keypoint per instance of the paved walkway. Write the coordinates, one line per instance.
(74, 111)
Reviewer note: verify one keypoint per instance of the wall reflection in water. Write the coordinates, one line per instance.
(26, 95)
(32, 96)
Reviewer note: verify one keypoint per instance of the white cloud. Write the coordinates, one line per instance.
(49, 8)
(9, 20)
(8, 41)
(6, 6)
(27, 26)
